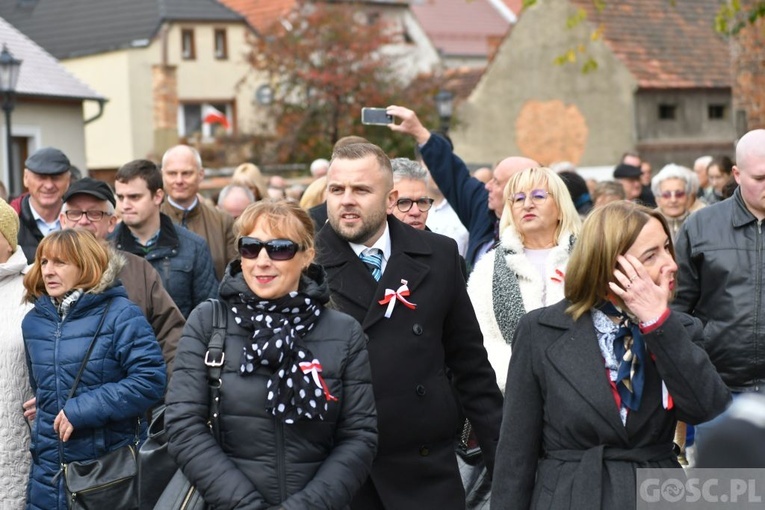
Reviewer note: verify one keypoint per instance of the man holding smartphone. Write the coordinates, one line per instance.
(478, 206)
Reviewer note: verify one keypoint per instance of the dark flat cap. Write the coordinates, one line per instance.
(48, 161)
(625, 171)
(92, 187)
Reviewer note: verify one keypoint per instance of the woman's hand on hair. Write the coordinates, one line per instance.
(643, 297)
(62, 427)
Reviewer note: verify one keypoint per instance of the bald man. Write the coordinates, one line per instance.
(182, 174)
(478, 206)
(721, 270)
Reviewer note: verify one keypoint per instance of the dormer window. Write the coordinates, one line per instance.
(187, 44)
(221, 45)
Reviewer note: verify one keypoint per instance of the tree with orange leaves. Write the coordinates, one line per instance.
(325, 62)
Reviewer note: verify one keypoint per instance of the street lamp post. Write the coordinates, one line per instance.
(9, 76)
(444, 103)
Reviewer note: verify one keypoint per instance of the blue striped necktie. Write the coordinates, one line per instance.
(372, 258)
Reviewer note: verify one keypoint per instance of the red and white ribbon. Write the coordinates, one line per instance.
(666, 398)
(392, 296)
(314, 368)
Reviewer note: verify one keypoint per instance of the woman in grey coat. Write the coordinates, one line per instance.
(597, 382)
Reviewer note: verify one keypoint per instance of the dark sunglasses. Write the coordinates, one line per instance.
(277, 249)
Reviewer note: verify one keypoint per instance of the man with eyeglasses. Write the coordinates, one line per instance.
(89, 204)
(181, 257)
(478, 206)
(47, 177)
(410, 181)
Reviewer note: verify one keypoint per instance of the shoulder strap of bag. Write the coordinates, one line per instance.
(214, 359)
(90, 350)
(79, 375)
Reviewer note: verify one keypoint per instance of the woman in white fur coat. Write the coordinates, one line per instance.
(538, 228)
(14, 380)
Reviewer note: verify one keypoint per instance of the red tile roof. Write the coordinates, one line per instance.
(665, 46)
(461, 27)
(261, 13)
(514, 5)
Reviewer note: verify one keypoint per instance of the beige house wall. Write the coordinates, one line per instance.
(527, 105)
(109, 140)
(126, 129)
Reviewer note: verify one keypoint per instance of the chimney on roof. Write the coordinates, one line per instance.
(165, 103)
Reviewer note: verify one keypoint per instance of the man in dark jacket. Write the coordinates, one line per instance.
(46, 176)
(89, 204)
(409, 295)
(181, 257)
(721, 272)
(468, 196)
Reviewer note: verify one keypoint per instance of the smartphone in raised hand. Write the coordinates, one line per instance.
(375, 117)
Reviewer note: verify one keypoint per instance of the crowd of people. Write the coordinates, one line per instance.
(574, 328)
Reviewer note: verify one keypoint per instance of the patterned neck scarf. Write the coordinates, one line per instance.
(67, 301)
(630, 352)
(296, 388)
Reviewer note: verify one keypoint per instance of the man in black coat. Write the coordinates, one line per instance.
(419, 321)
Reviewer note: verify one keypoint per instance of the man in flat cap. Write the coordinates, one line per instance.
(46, 176)
(629, 177)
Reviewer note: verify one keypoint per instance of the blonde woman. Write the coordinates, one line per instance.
(250, 176)
(597, 382)
(538, 227)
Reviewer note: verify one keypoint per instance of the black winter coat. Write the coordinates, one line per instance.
(418, 415)
(262, 462)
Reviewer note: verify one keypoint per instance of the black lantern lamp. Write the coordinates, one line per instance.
(9, 77)
(444, 104)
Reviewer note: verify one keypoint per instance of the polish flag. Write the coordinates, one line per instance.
(212, 115)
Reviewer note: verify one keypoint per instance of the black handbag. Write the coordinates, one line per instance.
(162, 484)
(107, 482)
(475, 477)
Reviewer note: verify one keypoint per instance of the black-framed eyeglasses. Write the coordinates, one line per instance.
(537, 197)
(75, 215)
(277, 249)
(423, 204)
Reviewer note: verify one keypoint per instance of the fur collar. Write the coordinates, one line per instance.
(110, 276)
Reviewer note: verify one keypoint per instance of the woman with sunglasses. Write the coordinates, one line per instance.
(673, 189)
(298, 426)
(526, 270)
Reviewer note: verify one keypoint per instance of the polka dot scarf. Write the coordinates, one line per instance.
(296, 389)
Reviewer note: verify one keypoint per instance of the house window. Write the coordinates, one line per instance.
(667, 111)
(188, 51)
(716, 111)
(221, 47)
(205, 119)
